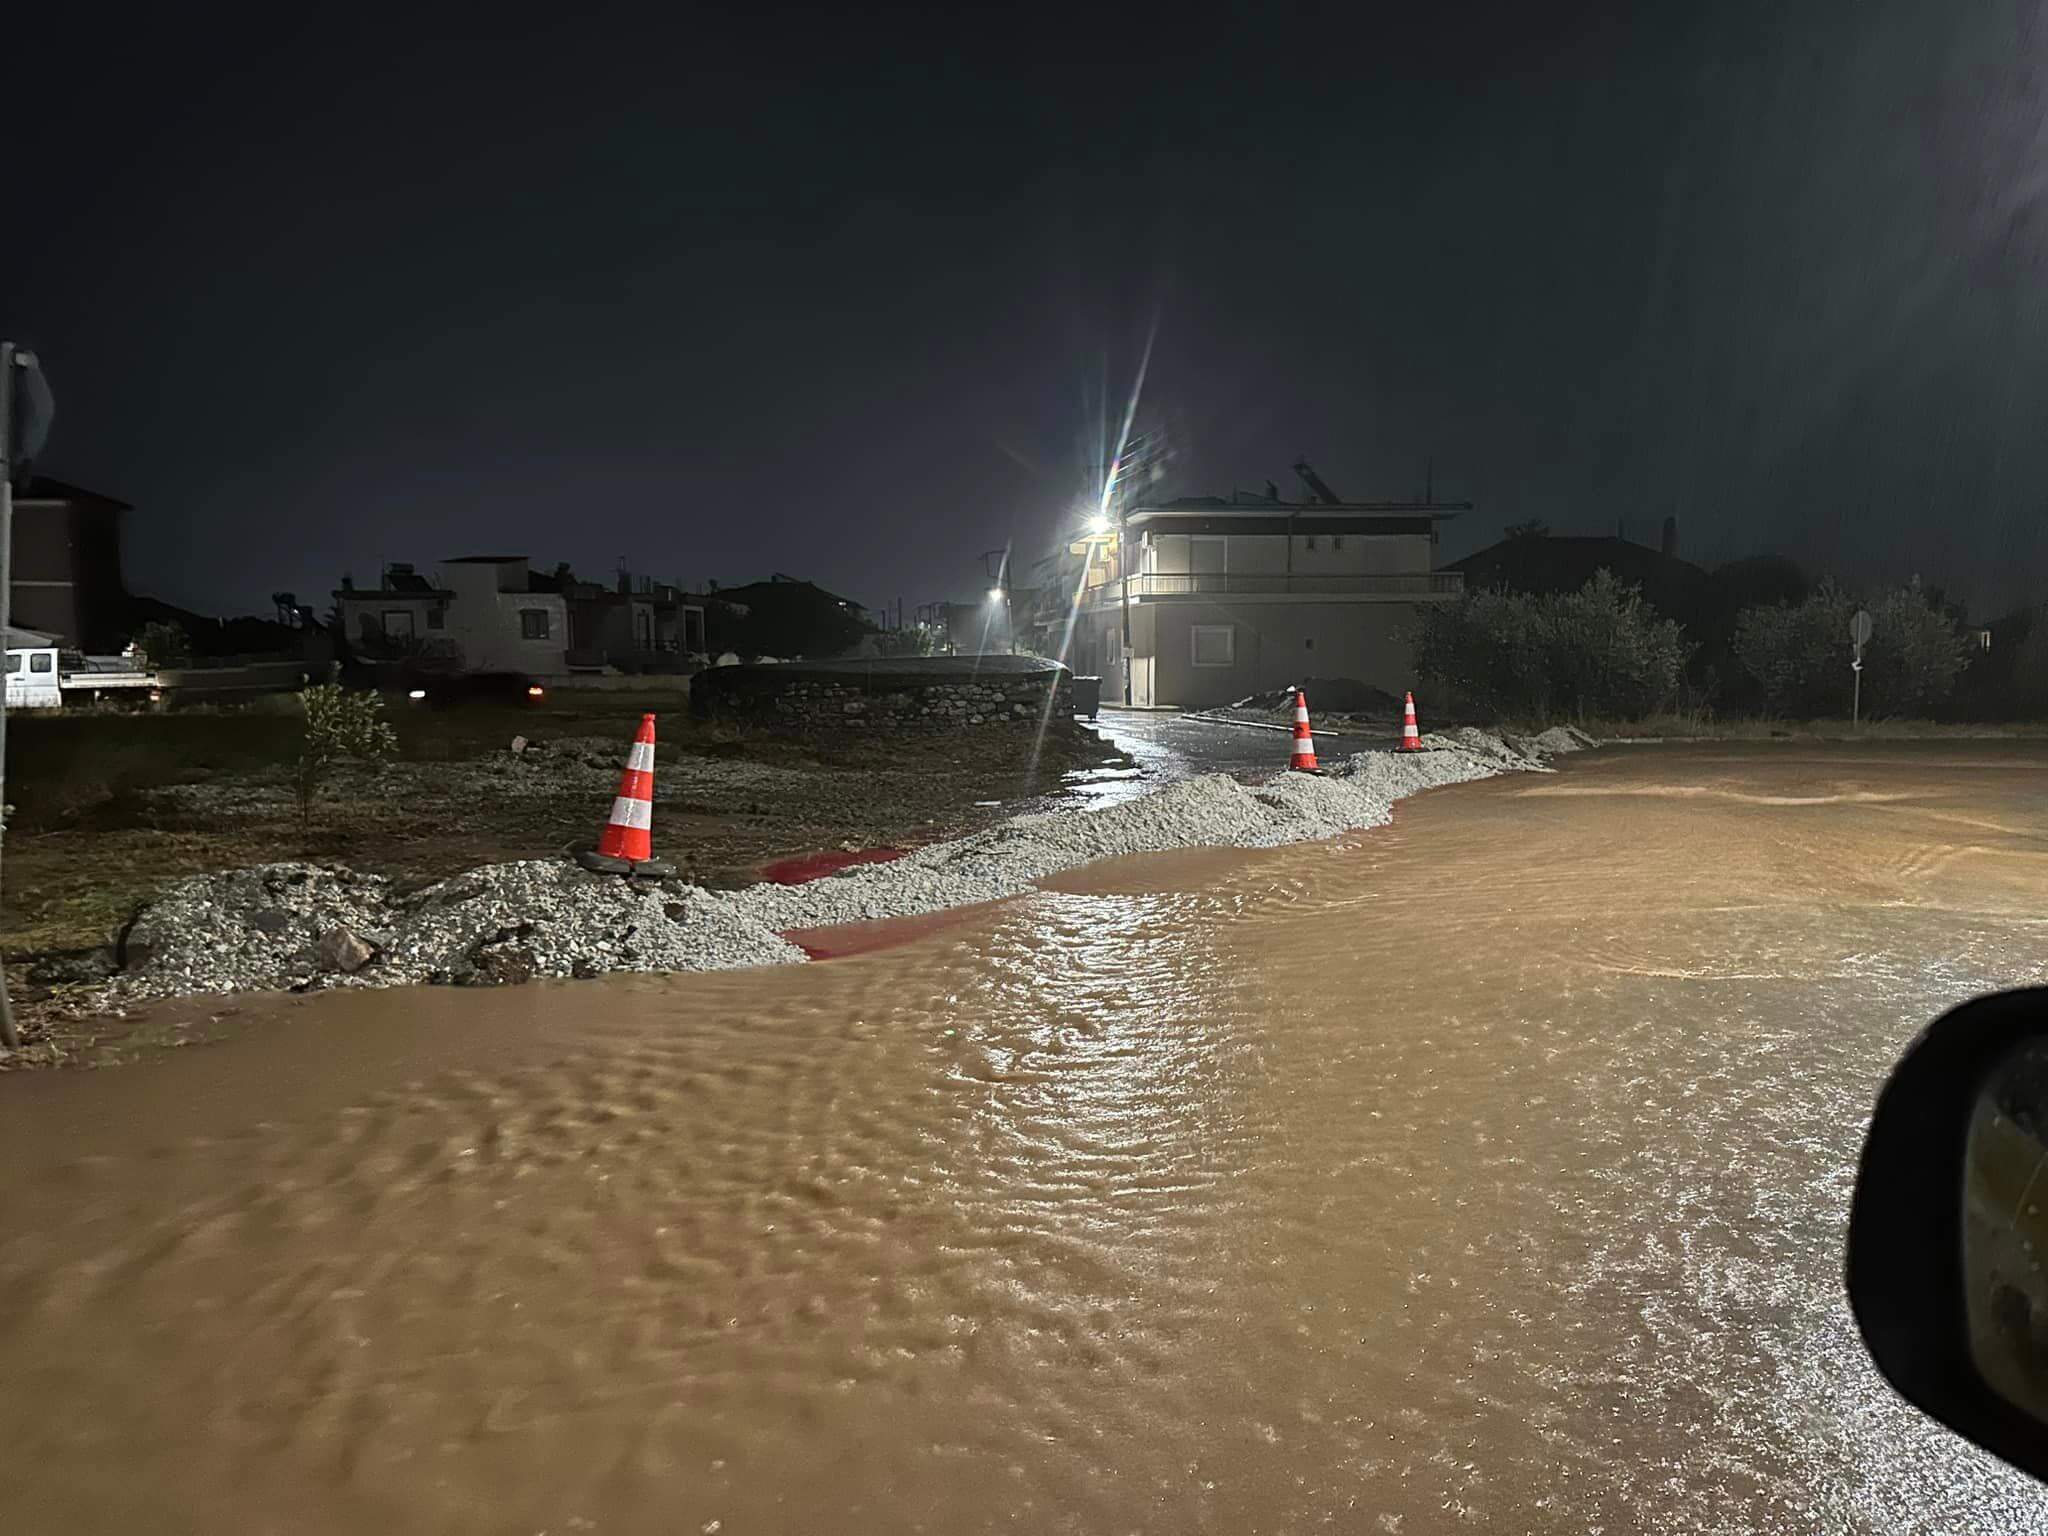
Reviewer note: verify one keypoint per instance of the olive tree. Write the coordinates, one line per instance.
(1600, 650)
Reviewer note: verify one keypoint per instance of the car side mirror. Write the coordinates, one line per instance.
(1948, 1230)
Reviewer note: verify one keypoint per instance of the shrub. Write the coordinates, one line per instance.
(164, 645)
(340, 723)
(2030, 668)
(1598, 651)
(914, 641)
(1799, 653)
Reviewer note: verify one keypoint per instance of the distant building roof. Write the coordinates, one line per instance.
(43, 488)
(403, 578)
(784, 584)
(1553, 562)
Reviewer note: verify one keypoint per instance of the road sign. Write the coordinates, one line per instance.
(1859, 636)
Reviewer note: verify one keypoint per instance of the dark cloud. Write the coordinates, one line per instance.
(838, 293)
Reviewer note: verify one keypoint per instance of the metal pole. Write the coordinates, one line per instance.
(9, 1035)
(1123, 566)
(1856, 696)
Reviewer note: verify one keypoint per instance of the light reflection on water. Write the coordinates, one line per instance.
(1487, 1169)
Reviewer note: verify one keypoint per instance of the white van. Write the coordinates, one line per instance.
(32, 679)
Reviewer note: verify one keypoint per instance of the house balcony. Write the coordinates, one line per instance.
(1279, 586)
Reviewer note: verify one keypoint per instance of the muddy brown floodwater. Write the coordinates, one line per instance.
(1488, 1170)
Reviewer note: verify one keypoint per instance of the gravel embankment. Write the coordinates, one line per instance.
(302, 926)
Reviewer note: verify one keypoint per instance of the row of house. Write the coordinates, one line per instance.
(495, 613)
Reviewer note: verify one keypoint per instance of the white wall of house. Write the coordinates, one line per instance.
(1209, 653)
(500, 626)
(487, 623)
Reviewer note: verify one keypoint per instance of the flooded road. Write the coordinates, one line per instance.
(1486, 1170)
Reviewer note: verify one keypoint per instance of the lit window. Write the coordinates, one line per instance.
(533, 623)
(1213, 645)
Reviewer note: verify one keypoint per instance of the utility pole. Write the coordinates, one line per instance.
(25, 411)
(10, 1036)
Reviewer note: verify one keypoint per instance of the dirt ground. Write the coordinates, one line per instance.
(111, 807)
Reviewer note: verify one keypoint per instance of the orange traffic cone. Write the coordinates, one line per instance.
(626, 846)
(1411, 739)
(1304, 757)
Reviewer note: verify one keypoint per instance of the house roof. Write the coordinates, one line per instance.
(784, 585)
(1565, 562)
(43, 488)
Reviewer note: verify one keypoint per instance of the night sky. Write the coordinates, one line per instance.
(837, 294)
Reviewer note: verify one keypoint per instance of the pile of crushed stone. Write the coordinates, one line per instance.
(301, 926)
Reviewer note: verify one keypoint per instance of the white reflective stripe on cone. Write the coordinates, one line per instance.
(633, 813)
(641, 758)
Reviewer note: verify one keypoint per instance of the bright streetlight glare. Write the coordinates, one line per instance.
(995, 594)
(1098, 523)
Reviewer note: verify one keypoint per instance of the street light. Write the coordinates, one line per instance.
(995, 594)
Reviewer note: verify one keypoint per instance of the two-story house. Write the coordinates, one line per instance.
(485, 613)
(1224, 598)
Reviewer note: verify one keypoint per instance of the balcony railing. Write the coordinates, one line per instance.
(1281, 584)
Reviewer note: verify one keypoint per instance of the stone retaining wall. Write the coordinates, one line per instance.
(993, 699)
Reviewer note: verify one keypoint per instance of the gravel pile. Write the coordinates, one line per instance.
(301, 926)
(305, 925)
(1214, 811)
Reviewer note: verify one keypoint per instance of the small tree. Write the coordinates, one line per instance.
(914, 641)
(339, 724)
(1799, 652)
(164, 645)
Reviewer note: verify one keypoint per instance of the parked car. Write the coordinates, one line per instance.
(470, 688)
